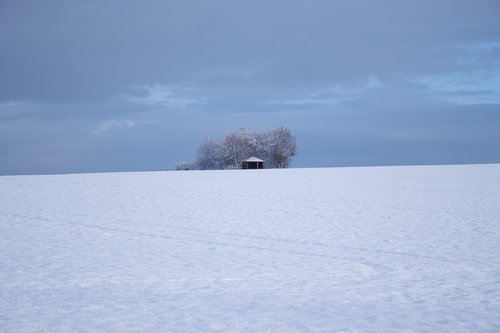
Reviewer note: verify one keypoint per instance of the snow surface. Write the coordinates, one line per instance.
(382, 249)
(253, 159)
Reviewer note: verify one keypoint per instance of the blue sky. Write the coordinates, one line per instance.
(137, 85)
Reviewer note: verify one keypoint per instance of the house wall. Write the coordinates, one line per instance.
(252, 165)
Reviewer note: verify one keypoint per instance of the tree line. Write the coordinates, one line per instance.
(275, 147)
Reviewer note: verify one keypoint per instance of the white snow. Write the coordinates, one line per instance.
(379, 249)
(253, 159)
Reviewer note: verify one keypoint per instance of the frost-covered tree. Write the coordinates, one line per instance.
(184, 166)
(283, 147)
(236, 147)
(265, 148)
(276, 147)
(208, 155)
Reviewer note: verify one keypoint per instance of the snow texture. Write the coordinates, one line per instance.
(379, 249)
(253, 159)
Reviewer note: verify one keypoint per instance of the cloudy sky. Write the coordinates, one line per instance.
(122, 85)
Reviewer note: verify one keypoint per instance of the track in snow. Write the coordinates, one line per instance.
(298, 250)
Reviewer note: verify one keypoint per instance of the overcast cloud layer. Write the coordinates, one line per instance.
(137, 85)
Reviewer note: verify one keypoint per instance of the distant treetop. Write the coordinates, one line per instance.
(275, 147)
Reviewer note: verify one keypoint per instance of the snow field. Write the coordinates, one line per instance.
(375, 249)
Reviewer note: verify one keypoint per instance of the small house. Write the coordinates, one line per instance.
(252, 163)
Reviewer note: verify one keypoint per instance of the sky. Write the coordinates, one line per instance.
(99, 86)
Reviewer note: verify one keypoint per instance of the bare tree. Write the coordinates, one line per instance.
(264, 149)
(236, 147)
(276, 147)
(283, 147)
(208, 155)
(184, 166)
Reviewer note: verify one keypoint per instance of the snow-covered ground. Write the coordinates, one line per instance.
(382, 249)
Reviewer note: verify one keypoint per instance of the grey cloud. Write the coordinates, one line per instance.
(117, 85)
(99, 49)
(176, 96)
